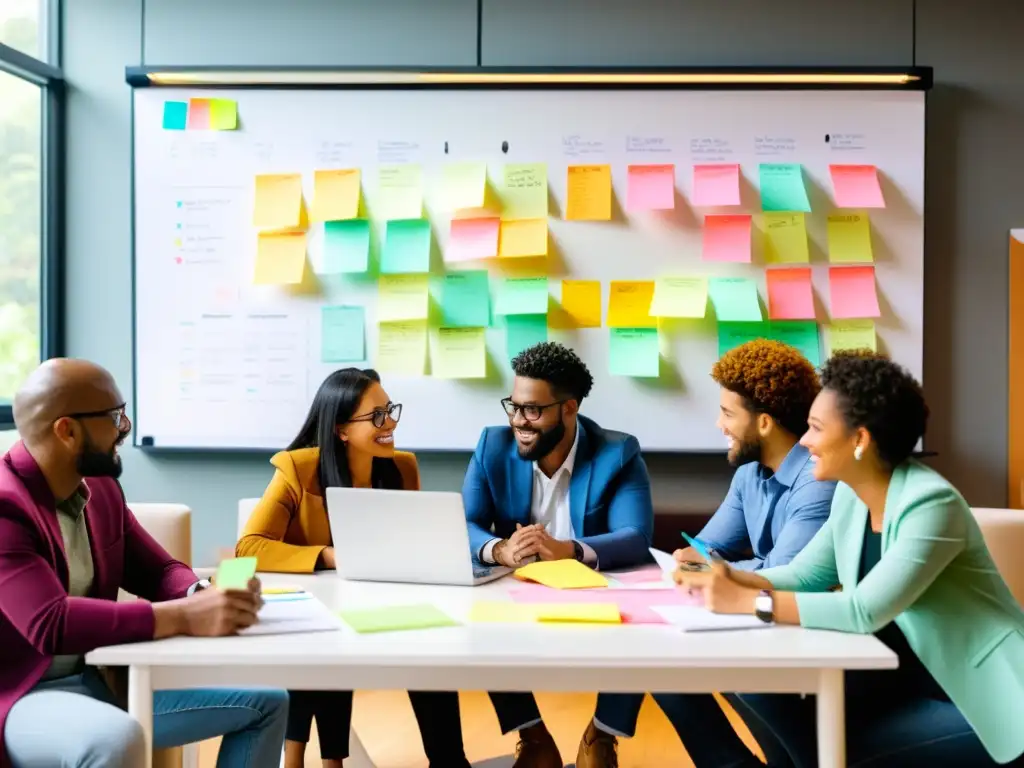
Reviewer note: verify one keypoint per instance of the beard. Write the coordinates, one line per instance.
(93, 462)
(545, 443)
(746, 452)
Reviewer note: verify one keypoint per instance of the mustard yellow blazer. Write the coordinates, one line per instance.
(288, 528)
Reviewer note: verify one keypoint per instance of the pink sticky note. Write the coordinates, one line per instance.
(651, 188)
(198, 114)
(716, 185)
(644, 575)
(727, 237)
(790, 295)
(635, 605)
(856, 186)
(473, 239)
(852, 291)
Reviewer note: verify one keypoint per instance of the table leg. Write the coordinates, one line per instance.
(831, 706)
(140, 705)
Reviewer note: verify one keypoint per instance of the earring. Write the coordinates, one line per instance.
(858, 453)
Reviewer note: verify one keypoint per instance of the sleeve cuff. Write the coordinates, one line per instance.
(487, 552)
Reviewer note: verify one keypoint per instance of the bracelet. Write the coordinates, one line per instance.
(497, 549)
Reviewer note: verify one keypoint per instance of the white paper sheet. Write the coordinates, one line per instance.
(691, 618)
(281, 617)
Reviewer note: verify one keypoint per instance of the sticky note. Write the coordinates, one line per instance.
(280, 258)
(198, 114)
(501, 612)
(650, 187)
(734, 299)
(790, 295)
(782, 188)
(579, 613)
(589, 193)
(523, 332)
(393, 618)
(634, 352)
(278, 202)
(346, 246)
(852, 291)
(726, 238)
(849, 238)
(336, 194)
(581, 301)
(850, 334)
(785, 236)
(856, 186)
(561, 574)
(235, 573)
(524, 191)
(466, 300)
(223, 114)
(342, 335)
(459, 353)
(463, 185)
(716, 185)
(406, 247)
(799, 334)
(471, 239)
(629, 304)
(175, 115)
(403, 297)
(680, 297)
(523, 296)
(400, 189)
(523, 238)
(402, 348)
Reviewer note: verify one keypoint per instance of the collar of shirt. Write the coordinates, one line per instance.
(790, 467)
(74, 505)
(567, 466)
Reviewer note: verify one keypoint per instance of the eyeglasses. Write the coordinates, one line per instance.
(378, 416)
(530, 411)
(117, 414)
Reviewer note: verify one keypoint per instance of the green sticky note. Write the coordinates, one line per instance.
(633, 352)
(524, 191)
(464, 185)
(223, 114)
(175, 115)
(803, 335)
(466, 299)
(346, 246)
(342, 335)
(406, 247)
(782, 188)
(235, 573)
(523, 331)
(397, 617)
(523, 296)
(734, 299)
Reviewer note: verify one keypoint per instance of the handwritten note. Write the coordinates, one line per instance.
(402, 348)
(524, 331)
(459, 353)
(523, 296)
(633, 352)
(524, 193)
(782, 188)
(342, 335)
(581, 301)
(198, 114)
(589, 193)
(850, 334)
(403, 297)
(346, 246)
(734, 299)
(853, 293)
(471, 239)
(400, 188)
(223, 114)
(726, 238)
(406, 247)
(680, 297)
(466, 299)
(523, 238)
(856, 186)
(801, 335)
(716, 185)
(278, 203)
(280, 258)
(629, 304)
(651, 187)
(790, 294)
(785, 236)
(175, 115)
(849, 238)
(463, 185)
(336, 194)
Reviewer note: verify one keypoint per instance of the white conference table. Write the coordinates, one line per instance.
(503, 657)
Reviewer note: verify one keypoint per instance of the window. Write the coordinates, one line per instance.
(24, 27)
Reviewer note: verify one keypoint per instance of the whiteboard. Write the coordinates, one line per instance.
(223, 364)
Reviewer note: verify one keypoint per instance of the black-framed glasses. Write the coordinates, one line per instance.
(530, 411)
(117, 414)
(378, 416)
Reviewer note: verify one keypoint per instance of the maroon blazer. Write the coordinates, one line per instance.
(37, 618)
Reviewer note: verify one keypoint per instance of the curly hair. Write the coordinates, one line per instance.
(557, 365)
(881, 396)
(772, 378)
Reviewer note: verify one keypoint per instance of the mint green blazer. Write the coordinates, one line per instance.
(937, 581)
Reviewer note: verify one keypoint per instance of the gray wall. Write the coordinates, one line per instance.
(975, 163)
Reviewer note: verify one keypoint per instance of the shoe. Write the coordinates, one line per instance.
(597, 749)
(536, 749)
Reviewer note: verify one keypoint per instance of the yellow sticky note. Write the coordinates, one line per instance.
(785, 236)
(336, 194)
(850, 334)
(523, 237)
(278, 203)
(680, 297)
(581, 300)
(629, 304)
(579, 613)
(463, 185)
(223, 115)
(280, 258)
(403, 297)
(459, 353)
(561, 574)
(400, 188)
(589, 193)
(849, 238)
(499, 612)
(524, 191)
(402, 348)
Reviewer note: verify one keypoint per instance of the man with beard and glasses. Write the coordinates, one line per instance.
(68, 542)
(553, 485)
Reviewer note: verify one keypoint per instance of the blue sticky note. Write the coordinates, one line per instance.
(466, 300)
(699, 545)
(342, 335)
(175, 115)
(406, 247)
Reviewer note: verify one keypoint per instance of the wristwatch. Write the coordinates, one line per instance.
(199, 586)
(764, 606)
(577, 550)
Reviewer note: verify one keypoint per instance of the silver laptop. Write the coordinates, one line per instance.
(416, 537)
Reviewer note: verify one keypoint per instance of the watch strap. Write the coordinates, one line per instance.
(764, 606)
(577, 550)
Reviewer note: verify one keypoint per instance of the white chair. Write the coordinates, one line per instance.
(1003, 530)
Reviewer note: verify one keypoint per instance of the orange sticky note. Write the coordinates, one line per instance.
(523, 238)
(856, 186)
(651, 187)
(198, 114)
(715, 185)
(471, 239)
(581, 300)
(280, 258)
(336, 194)
(790, 295)
(278, 201)
(589, 193)
(629, 304)
(852, 291)
(727, 238)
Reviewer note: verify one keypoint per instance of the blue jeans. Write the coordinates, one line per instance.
(75, 722)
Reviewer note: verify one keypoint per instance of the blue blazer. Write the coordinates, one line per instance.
(609, 494)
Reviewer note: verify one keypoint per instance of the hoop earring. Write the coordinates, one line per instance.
(858, 453)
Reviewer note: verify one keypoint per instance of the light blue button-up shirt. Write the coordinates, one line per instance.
(766, 519)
